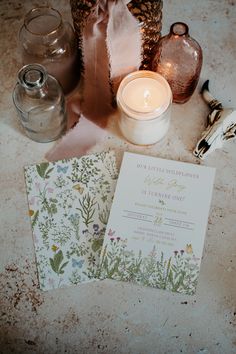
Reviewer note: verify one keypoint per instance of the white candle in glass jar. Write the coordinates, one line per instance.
(144, 99)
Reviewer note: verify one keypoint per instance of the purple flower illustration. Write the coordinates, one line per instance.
(111, 233)
(51, 282)
(31, 201)
(85, 232)
(37, 185)
(50, 190)
(96, 227)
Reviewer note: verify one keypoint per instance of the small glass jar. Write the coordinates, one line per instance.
(144, 99)
(40, 104)
(46, 39)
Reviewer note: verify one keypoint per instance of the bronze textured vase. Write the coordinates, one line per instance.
(179, 59)
(148, 13)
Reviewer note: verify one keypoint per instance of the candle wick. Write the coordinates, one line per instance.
(146, 97)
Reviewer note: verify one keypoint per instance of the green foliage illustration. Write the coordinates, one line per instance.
(75, 222)
(101, 186)
(83, 170)
(69, 202)
(110, 165)
(104, 215)
(56, 263)
(45, 228)
(87, 208)
(49, 205)
(178, 273)
(43, 170)
(35, 218)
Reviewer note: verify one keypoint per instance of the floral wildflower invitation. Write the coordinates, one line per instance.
(69, 203)
(157, 224)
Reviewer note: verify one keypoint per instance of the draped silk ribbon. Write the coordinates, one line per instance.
(111, 47)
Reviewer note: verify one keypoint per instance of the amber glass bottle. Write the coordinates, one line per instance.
(179, 59)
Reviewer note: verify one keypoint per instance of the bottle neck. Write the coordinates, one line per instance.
(37, 92)
(33, 78)
(179, 29)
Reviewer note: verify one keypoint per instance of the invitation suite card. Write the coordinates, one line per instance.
(156, 229)
(69, 204)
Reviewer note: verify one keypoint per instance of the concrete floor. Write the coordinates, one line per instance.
(111, 317)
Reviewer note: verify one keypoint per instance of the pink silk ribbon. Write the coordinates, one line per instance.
(111, 49)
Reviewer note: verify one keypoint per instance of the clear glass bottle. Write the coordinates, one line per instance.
(40, 104)
(46, 39)
(179, 59)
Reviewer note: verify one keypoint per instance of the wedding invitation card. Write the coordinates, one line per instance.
(157, 224)
(69, 204)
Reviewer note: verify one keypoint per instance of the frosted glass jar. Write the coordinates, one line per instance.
(144, 99)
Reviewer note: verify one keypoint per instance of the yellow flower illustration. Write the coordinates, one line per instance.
(189, 249)
(78, 188)
(31, 212)
(54, 248)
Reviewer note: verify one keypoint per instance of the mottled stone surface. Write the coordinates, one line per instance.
(111, 317)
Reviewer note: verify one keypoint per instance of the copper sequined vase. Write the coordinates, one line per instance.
(179, 59)
(148, 13)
